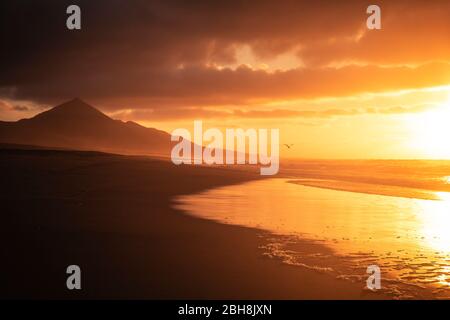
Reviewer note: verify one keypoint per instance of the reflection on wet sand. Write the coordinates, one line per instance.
(407, 237)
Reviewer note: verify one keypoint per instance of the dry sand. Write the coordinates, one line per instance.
(112, 216)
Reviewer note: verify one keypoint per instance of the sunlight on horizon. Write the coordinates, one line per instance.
(435, 221)
(408, 236)
(401, 124)
(431, 131)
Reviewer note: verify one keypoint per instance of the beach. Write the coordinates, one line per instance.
(114, 217)
(386, 221)
(225, 152)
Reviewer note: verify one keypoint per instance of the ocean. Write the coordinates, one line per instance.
(391, 213)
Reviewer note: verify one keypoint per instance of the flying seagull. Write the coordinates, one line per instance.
(288, 145)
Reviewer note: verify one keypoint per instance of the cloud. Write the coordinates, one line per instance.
(24, 107)
(155, 54)
(205, 86)
(4, 105)
(412, 33)
(182, 113)
(20, 108)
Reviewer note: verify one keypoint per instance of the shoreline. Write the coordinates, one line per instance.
(112, 215)
(381, 190)
(293, 243)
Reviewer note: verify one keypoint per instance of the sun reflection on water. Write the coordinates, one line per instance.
(434, 219)
(408, 238)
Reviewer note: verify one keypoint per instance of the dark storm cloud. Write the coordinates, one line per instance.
(156, 51)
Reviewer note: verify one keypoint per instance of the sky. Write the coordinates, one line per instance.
(334, 88)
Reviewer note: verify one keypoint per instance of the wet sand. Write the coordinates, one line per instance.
(112, 215)
(406, 237)
(384, 190)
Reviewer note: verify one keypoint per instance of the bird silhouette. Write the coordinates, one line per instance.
(289, 145)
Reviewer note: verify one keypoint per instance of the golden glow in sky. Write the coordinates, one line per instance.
(407, 124)
(332, 86)
(431, 131)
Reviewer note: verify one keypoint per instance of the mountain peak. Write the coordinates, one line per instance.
(76, 104)
(77, 125)
(73, 109)
(75, 101)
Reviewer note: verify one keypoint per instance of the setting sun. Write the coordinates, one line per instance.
(431, 131)
(230, 149)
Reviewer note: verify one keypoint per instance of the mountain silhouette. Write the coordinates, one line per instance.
(77, 125)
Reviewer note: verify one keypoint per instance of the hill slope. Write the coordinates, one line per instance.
(77, 125)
